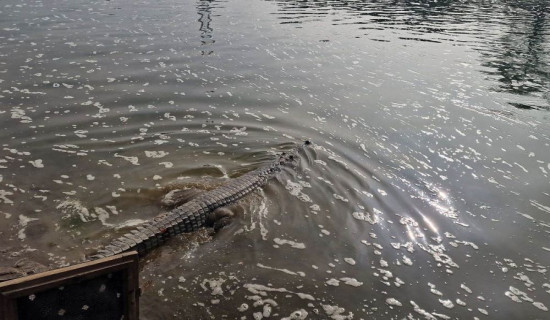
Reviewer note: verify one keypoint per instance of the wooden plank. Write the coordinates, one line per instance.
(127, 263)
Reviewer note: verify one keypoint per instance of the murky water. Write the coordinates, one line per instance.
(426, 193)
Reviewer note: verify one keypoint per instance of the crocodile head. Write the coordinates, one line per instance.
(290, 158)
(286, 159)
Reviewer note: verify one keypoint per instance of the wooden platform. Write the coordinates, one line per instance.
(107, 288)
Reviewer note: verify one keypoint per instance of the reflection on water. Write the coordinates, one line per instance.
(204, 9)
(425, 193)
(521, 57)
(511, 36)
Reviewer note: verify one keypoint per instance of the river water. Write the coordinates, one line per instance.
(425, 194)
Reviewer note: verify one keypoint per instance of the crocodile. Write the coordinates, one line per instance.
(201, 211)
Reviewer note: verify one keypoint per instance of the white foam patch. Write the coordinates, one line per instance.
(132, 160)
(260, 289)
(214, 285)
(23, 222)
(339, 197)
(320, 162)
(336, 312)
(437, 251)
(243, 307)
(447, 303)
(434, 290)
(166, 164)
(4, 196)
(393, 302)
(37, 163)
(351, 282)
(102, 215)
(333, 282)
(71, 207)
(540, 305)
(372, 219)
(156, 154)
(239, 131)
(293, 244)
(18, 113)
(422, 312)
(297, 315)
(259, 208)
(298, 273)
(295, 189)
(460, 302)
(465, 288)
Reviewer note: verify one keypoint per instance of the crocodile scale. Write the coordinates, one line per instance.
(194, 214)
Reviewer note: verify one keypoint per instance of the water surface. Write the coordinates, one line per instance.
(426, 192)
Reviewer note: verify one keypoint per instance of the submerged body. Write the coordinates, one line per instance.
(195, 214)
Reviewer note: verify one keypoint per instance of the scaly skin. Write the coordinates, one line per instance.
(194, 214)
